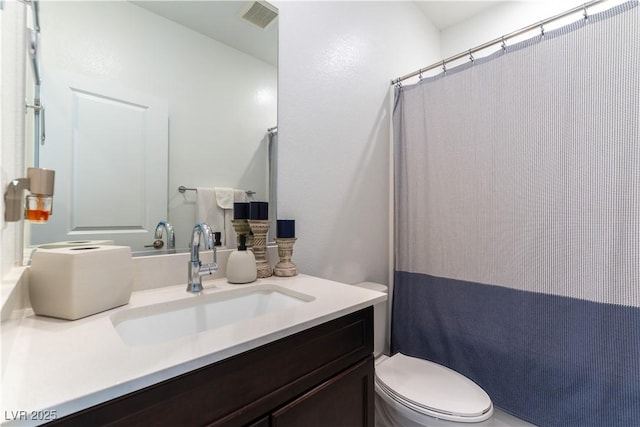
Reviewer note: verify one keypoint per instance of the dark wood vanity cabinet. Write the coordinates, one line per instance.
(322, 376)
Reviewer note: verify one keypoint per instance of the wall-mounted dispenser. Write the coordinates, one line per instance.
(39, 204)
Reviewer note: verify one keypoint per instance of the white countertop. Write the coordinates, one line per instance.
(59, 367)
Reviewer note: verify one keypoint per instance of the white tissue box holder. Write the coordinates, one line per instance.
(70, 283)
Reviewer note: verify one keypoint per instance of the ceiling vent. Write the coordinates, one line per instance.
(259, 13)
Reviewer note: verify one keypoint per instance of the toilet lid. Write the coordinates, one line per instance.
(428, 387)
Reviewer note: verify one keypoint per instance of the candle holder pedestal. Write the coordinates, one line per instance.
(260, 228)
(241, 226)
(285, 268)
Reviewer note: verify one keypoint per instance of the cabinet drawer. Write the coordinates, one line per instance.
(346, 400)
(241, 389)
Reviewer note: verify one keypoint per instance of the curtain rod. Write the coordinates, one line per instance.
(502, 39)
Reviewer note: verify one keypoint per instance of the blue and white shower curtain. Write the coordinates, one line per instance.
(518, 223)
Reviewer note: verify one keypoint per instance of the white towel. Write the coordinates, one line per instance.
(239, 196)
(207, 209)
(226, 197)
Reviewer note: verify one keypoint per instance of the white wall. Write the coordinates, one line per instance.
(12, 72)
(336, 63)
(221, 101)
(507, 17)
(337, 59)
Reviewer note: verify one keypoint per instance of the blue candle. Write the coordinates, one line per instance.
(286, 229)
(241, 210)
(259, 210)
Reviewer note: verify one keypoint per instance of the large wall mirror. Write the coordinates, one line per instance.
(144, 97)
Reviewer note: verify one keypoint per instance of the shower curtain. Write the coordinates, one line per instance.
(518, 223)
(273, 179)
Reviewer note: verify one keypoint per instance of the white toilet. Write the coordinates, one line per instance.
(412, 392)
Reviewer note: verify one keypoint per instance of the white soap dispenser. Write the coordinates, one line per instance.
(241, 266)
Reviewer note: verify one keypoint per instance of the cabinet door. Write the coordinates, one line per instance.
(344, 401)
(241, 390)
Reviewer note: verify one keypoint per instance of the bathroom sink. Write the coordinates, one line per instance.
(189, 316)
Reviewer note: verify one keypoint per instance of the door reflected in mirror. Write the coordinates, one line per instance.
(145, 97)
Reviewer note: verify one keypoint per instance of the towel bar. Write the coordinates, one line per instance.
(182, 189)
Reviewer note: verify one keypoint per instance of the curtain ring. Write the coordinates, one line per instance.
(420, 75)
(542, 30)
(584, 13)
(444, 67)
(503, 45)
(471, 58)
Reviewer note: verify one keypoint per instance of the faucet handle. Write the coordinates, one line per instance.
(202, 231)
(157, 244)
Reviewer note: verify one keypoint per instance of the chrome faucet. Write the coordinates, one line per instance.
(196, 269)
(171, 239)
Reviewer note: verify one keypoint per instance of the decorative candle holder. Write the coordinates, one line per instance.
(241, 226)
(285, 268)
(260, 228)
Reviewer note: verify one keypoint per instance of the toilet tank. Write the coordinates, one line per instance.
(379, 317)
